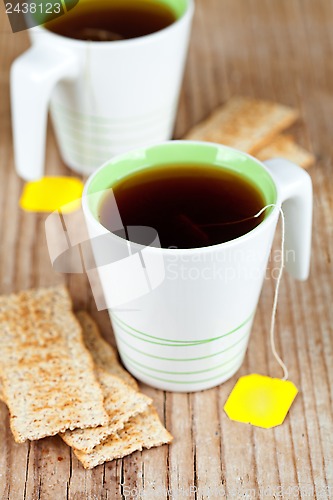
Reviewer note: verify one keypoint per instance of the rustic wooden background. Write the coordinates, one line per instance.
(276, 49)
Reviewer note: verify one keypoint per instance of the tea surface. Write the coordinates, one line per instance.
(113, 20)
(189, 206)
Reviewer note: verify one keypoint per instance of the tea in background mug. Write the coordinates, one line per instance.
(189, 330)
(105, 97)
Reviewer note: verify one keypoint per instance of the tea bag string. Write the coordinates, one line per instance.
(276, 293)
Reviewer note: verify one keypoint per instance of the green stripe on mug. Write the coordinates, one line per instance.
(133, 361)
(219, 375)
(174, 343)
(162, 358)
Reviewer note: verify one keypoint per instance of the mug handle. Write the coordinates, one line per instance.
(295, 187)
(33, 76)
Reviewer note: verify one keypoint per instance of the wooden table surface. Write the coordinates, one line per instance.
(275, 49)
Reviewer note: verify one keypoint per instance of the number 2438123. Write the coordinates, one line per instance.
(33, 8)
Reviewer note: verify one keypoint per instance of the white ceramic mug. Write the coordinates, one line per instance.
(105, 97)
(189, 330)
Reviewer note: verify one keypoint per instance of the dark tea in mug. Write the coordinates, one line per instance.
(189, 206)
(113, 20)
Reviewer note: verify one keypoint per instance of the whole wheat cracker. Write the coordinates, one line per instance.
(47, 373)
(103, 354)
(284, 146)
(121, 402)
(244, 123)
(143, 431)
(123, 442)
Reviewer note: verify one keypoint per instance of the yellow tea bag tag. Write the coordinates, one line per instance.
(51, 193)
(260, 400)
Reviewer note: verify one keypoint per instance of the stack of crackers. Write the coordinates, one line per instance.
(255, 127)
(59, 376)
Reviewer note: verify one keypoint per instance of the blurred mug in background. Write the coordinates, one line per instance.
(112, 84)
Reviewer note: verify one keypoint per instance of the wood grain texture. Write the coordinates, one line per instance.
(270, 49)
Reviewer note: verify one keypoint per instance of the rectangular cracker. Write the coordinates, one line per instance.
(103, 354)
(284, 146)
(121, 403)
(48, 376)
(244, 123)
(143, 431)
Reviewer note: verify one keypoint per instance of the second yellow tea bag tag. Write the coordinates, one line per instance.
(50, 193)
(258, 399)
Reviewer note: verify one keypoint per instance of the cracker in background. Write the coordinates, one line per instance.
(143, 431)
(103, 354)
(244, 123)
(48, 376)
(284, 146)
(121, 402)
